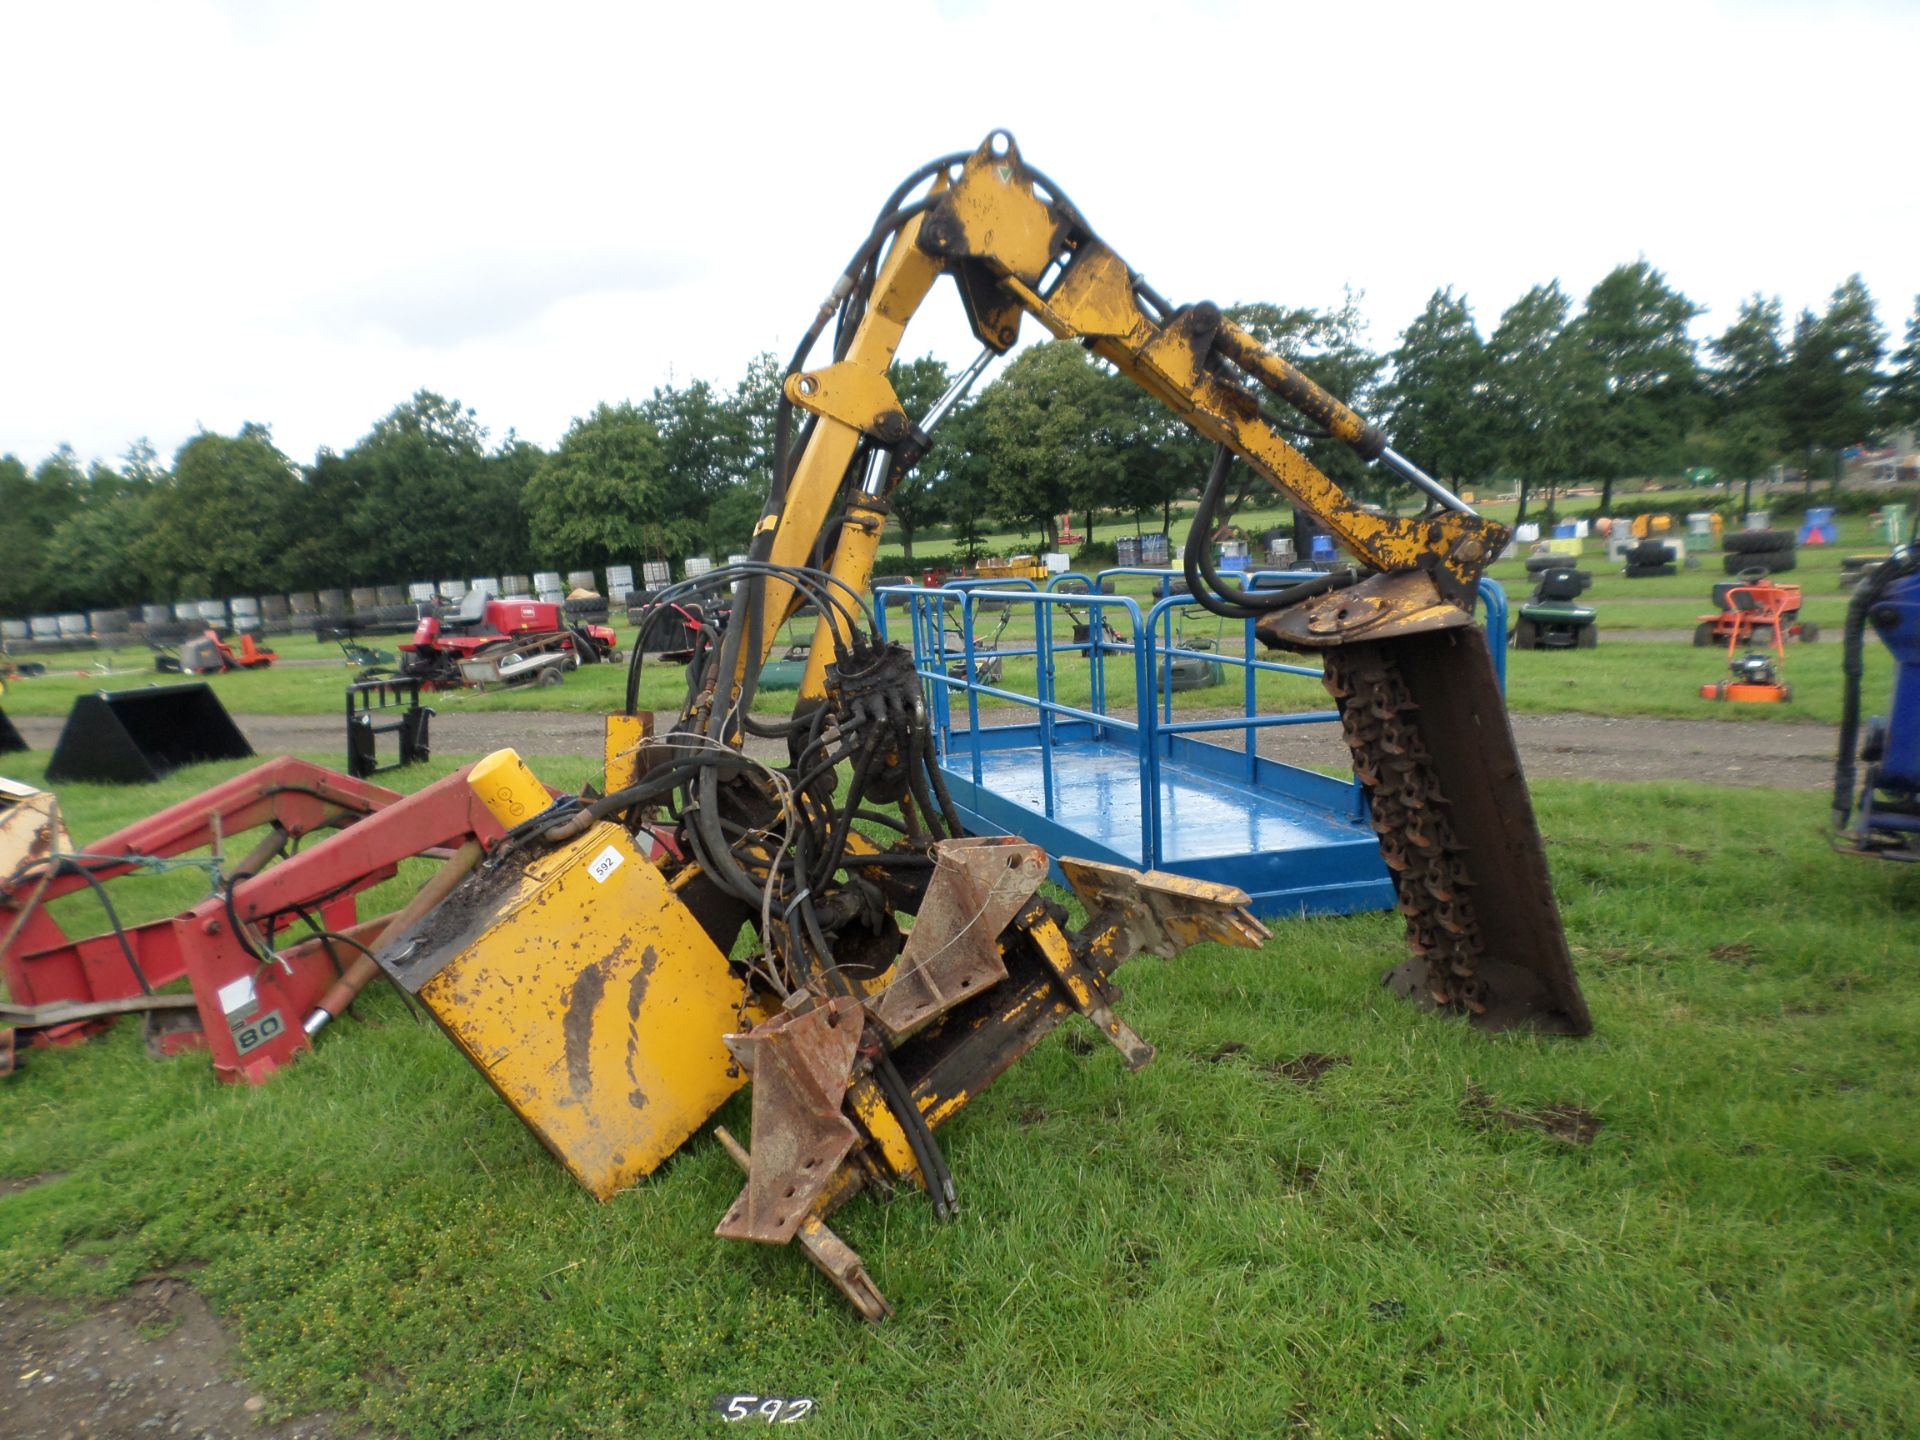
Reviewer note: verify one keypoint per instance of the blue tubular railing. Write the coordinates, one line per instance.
(932, 631)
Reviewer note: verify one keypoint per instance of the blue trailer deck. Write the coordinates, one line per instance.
(1130, 782)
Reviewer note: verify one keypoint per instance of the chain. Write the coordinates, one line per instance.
(1410, 815)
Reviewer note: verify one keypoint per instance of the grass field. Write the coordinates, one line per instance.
(1239, 1240)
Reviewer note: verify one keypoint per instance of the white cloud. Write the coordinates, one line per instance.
(299, 213)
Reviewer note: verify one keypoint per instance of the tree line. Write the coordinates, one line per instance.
(1615, 390)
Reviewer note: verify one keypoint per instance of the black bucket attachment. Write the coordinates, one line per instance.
(131, 737)
(11, 742)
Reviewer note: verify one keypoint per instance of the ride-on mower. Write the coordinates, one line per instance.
(211, 655)
(501, 642)
(1551, 621)
(1750, 604)
(1749, 610)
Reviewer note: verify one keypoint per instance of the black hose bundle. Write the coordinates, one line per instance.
(1216, 595)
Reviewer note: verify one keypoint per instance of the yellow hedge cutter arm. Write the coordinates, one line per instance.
(1421, 707)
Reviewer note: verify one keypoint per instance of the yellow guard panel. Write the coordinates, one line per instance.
(594, 1003)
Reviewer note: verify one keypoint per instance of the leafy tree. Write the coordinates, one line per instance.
(1832, 375)
(756, 400)
(600, 496)
(35, 505)
(1041, 423)
(1637, 393)
(916, 501)
(413, 496)
(962, 476)
(1900, 400)
(218, 528)
(704, 444)
(1161, 459)
(1527, 387)
(1436, 399)
(98, 555)
(1747, 384)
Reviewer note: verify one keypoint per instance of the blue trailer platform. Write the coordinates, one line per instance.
(1122, 778)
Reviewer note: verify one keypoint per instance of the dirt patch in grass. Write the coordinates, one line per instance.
(1569, 1124)
(1734, 952)
(27, 1182)
(150, 1362)
(1307, 1069)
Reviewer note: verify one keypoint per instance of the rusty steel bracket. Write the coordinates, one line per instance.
(31, 827)
(953, 952)
(831, 1255)
(1380, 607)
(1159, 913)
(800, 1062)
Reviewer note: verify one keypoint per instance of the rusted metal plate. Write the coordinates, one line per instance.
(1160, 913)
(978, 886)
(800, 1064)
(30, 826)
(1378, 608)
(831, 1255)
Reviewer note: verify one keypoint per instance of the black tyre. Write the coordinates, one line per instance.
(1742, 542)
(1809, 632)
(1774, 562)
(1525, 635)
(1648, 572)
(1588, 638)
(597, 606)
(550, 676)
(1650, 552)
(1537, 563)
(1703, 633)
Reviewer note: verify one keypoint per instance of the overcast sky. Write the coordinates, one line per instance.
(301, 213)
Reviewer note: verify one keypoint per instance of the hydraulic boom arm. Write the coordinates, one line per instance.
(1421, 707)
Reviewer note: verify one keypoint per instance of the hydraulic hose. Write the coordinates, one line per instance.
(1218, 596)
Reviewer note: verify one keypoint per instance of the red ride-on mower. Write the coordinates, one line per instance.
(1754, 603)
(1749, 610)
(501, 642)
(211, 655)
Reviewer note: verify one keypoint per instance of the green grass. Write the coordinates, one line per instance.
(1202, 1249)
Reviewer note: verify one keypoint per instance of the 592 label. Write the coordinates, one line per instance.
(768, 1409)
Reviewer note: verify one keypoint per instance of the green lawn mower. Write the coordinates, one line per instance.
(1550, 620)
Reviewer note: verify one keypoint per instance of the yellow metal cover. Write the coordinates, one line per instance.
(592, 1000)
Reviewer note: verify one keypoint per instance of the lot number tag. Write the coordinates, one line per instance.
(769, 1409)
(604, 864)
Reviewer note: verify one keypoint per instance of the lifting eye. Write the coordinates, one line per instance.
(999, 142)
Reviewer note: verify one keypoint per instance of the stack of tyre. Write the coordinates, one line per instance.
(587, 610)
(1768, 550)
(1649, 558)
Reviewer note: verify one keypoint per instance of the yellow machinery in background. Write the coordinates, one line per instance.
(794, 903)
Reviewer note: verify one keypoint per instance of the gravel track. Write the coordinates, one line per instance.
(1585, 747)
